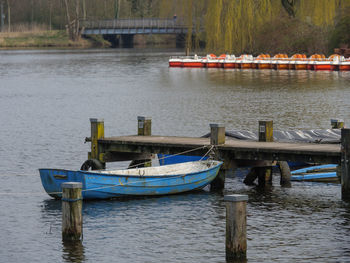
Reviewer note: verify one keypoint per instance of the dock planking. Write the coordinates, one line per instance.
(232, 149)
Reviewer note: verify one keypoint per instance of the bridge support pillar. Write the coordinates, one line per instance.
(127, 40)
(180, 40)
(113, 39)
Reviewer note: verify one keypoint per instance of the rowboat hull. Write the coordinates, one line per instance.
(320, 173)
(151, 181)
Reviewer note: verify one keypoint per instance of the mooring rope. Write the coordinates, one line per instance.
(211, 148)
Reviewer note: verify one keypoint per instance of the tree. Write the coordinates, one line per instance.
(73, 19)
(8, 15)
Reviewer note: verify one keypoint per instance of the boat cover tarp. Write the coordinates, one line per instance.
(306, 136)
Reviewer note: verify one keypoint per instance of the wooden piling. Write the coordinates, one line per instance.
(285, 173)
(72, 219)
(264, 174)
(236, 227)
(265, 131)
(97, 132)
(144, 126)
(345, 164)
(337, 124)
(217, 134)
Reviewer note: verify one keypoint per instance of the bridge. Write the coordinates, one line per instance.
(127, 28)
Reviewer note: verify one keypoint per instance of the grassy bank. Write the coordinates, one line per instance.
(46, 39)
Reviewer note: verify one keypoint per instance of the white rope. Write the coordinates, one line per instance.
(211, 148)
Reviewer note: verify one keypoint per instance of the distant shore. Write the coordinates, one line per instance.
(47, 39)
(59, 39)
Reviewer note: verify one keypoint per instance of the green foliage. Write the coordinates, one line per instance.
(290, 35)
(230, 26)
(341, 34)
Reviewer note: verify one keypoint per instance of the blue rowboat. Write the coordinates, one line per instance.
(149, 181)
(319, 173)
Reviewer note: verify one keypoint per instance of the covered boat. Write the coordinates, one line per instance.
(149, 181)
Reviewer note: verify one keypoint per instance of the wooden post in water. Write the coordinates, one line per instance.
(144, 126)
(236, 227)
(97, 132)
(217, 136)
(285, 173)
(265, 135)
(337, 124)
(72, 219)
(345, 164)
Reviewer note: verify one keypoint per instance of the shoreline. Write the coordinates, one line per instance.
(59, 39)
(47, 39)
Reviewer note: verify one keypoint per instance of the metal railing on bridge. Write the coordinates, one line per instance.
(135, 26)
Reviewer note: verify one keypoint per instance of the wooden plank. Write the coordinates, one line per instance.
(235, 149)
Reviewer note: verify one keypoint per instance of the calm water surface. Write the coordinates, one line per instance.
(46, 100)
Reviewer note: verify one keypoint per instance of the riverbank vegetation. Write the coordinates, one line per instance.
(224, 26)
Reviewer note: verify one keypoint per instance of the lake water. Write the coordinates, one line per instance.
(46, 100)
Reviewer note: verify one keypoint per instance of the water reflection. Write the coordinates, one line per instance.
(73, 251)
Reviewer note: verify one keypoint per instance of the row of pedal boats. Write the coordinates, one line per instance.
(264, 61)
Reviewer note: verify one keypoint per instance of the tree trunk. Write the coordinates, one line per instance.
(50, 14)
(8, 16)
(69, 23)
(32, 14)
(73, 26)
(76, 25)
(84, 10)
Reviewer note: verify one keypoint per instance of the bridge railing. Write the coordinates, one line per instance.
(135, 23)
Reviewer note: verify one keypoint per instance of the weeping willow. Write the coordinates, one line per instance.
(229, 26)
(317, 12)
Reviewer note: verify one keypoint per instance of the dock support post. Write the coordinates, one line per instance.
(217, 136)
(285, 173)
(337, 124)
(345, 164)
(72, 219)
(144, 126)
(97, 132)
(265, 135)
(236, 227)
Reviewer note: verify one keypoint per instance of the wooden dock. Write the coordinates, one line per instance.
(231, 149)
(233, 152)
